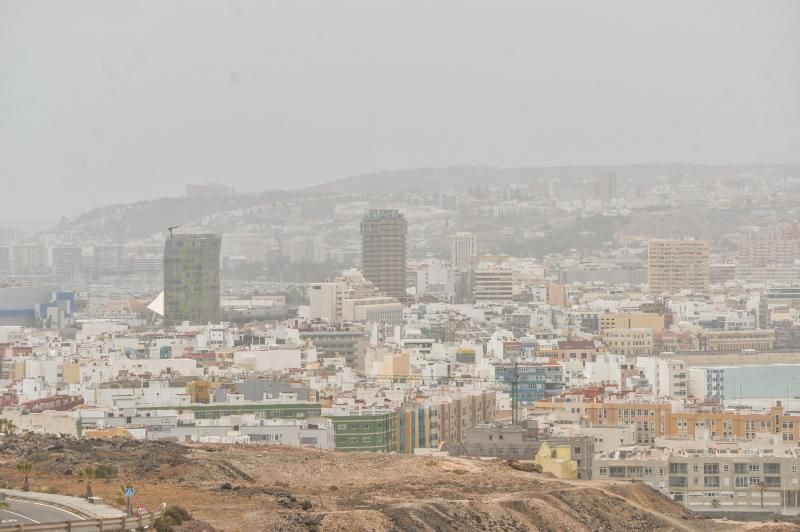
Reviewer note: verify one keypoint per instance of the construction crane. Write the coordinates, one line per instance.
(515, 395)
(171, 229)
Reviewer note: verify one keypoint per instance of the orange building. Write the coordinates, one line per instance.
(655, 420)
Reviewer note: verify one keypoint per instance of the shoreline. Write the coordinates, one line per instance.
(738, 359)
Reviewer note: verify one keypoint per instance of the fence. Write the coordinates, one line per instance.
(103, 525)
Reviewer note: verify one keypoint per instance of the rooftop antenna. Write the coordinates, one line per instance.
(171, 229)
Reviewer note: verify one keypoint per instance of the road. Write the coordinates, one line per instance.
(19, 512)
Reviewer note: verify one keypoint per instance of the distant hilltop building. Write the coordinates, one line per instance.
(463, 248)
(675, 265)
(383, 250)
(191, 279)
(212, 191)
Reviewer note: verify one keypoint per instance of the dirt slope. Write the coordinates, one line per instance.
(288, 489)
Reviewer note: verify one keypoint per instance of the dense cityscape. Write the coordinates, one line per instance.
(468, 322)
(389, 266)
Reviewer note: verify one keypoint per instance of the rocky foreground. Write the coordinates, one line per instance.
(279, 488)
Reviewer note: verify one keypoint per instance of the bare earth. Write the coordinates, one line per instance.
(287, 489)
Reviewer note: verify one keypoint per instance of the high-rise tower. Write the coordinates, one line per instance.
(463, 247)
(675, 265)
(383, 250)
(191, 279)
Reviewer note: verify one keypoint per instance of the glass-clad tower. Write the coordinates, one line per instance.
(191, 279)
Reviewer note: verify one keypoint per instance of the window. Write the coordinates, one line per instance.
(677, 469)
(724, 468)
(794, 468)
(711, 482)
(617, 472)
(648, 471)
(754, 480)
(603, 471)
(711, 469)
(773, 482)
(677, 482)
(695, 468)
(696, 481)
(740, 468)
(772, 469)
(741, 482)
(754, 468)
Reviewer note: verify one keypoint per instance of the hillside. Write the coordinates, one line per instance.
(288, 489)
(426, 180)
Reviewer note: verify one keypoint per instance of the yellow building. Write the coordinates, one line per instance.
(631, 320)
(758, 339)
(72, 373)
(675, 265)
(557, 460)
(199, 391)
(557, 295)
(111, 432)
(628, 342)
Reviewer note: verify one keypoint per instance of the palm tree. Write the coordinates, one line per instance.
(25, 468)
(762, 486)
(7, 426)
(87, 474)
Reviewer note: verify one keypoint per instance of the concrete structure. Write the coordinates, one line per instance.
(628, 342)
(374, 431)
(18, 303)
(556, 460)
(109, 259)
(675, 265)
(535, 381)
(383, 251)
(707, 384)
(191, 279)
(325, 300)
(492, 285)
(67, 261)
(715, 479)
(463, 249)
(658, 419)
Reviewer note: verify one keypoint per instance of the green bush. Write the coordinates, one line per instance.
(106, 471)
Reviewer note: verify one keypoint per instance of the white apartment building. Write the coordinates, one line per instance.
(463, 247)
(325, 300)
(707, 384)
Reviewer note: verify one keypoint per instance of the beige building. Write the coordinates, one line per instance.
(628, 341)
(758, 339)
(631, 320)
(463, 411)
(675, 265)
(703, 477)
(492, 284)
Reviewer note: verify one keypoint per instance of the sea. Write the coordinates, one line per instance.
(761, 385)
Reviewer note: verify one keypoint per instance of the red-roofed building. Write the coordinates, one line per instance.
(577, 350)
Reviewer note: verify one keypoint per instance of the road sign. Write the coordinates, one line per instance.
(141, 510)
(130, 492)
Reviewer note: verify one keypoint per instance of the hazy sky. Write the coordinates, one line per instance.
(108, 101)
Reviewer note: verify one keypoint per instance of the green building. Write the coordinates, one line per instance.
(372, 432)
(265, 410)
(191, 279)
